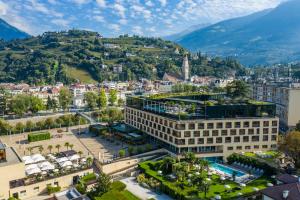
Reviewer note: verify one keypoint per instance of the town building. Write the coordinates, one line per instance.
(209, 125)
(286, 97)
(20, 180)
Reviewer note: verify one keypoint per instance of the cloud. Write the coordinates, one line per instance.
(114, 27)
(98, 18)
(163, 2)
(61, 22)
(101, 3)
(81, 2)
(119, 9)
(149, 3)
(137, 30)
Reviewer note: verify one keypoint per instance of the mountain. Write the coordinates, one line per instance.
(267, 37)
(85, 56)
(176, 36)
(9, 32)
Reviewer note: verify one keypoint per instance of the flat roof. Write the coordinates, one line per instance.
(11, 157)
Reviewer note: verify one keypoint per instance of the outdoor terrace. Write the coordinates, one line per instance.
(201, 106)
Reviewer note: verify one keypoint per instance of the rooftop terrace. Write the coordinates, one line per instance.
(183, 106)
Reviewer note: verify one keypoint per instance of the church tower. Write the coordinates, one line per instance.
(185, 68)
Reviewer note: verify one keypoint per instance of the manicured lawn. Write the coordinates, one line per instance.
(216, 188)
(274, 154)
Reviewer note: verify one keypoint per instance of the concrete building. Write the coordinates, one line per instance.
(14, 181)
(286, 97)
(204, 124)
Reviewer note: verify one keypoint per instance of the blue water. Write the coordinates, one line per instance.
(226, 170)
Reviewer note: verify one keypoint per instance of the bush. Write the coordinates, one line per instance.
(33, 137)
(268, 170)
(89, 177)
(12, 198)
(80, 187)
(118, 185)
(122, 153)
(52, 190)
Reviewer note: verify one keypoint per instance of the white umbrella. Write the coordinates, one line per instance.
(223, 178)
(217, 197)
(56, 170)
(51, 156)
(32, 166)
(27, 160)
(68, 167)
(270, 184)
(65, 164)
(33, 171)
(239, 194)
(208, 179)
(74, 157)
(63, 159)
(197, 173)
(38, 158)
(44, 173)
(255, 189)
(273, 176)
(159, 172)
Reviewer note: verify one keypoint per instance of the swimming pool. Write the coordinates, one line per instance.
(227, 170)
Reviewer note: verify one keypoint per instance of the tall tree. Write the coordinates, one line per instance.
(238, 89)
(102, 186)
(291, 146)
(91, 99)
(65, 98)
(113, 96)
(102, 99)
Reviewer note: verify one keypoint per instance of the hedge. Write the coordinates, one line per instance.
(52, 190)
(118, 185)
(33, 137)
(268, 170)
(89, 177)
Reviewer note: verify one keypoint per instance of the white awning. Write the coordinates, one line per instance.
(74, 157)
(37, 158)
(65, 164)
(60, 160)
(33, 171)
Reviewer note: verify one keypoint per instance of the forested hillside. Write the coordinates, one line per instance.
(85, 56)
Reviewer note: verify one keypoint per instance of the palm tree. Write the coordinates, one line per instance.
(89, 161)
(190, 157)
(67, 144)
(50, 147)
(30, 150)
(167, 164)
(41, 149)
(58, 147)
(80, 153)
(71, 146)
(204, 164)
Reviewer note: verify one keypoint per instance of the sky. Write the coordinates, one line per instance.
(115, 17)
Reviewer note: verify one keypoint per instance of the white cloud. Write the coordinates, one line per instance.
(98, 18)
(80, 2)
(101, 3)
(3, 8)
(61, 22)
(163, 2)
(149, 3)
(114, 27)
(137, 30)
(123, 21)
(120, 9)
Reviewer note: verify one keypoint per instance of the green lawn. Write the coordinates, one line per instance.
(216, 188)
(274, 154)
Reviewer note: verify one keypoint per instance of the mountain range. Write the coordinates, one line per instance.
(9, 32)
(267, 37)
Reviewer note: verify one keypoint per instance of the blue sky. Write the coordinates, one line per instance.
(115, 17)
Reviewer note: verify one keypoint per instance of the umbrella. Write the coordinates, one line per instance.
(33, 171)
(159, 172)
(44, 173)
(63, 159)
(27, 160)
(270, 184)
(227, 186)
(74, 157)
(223, 178)
(255, 189)
(217, 197)
(273, 176)
(51, 156)
(32, 166)
(38, 158)
(190, 175)
(209, 173)
(208, 179)
(239, 194)
(65, 164)
(68, 167)
(197, 173)
(56, 170)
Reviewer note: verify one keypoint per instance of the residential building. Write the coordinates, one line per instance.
(285, 96)
(205, 124)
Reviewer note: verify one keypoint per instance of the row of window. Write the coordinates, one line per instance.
(248, 147)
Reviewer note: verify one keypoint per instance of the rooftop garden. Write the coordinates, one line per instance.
(192, 179)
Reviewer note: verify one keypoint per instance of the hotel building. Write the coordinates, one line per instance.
(211, 125)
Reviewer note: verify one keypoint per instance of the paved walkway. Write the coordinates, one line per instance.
(142, 192)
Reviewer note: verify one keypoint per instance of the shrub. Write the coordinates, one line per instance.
(33, 137)
(52, 190)
(88, 177)
(81, 188)
(12, 198)
(122, 153)
(118, 185)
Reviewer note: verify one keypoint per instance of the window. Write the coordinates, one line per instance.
(187, 133)
(219, 140)
(237, 124)
(210, 126)
(246, 139)
(196, 133)
(215, 133)
(206, 133)
(255, 138)
(265, 131)
(266, 124)
(200, 140)
(220, 125)
(256, 146)
(229, 148)
(265, 138)
(264, 146)
(228, 140)
(192, 126)
(191, 141)
(256, 124)
(239, 148)
(250, 131)
(180, 126)
(170, 139)
(242, 132)
(233, 132)
(201, 126)
(176, 133)
(274, 130)
(274, 123)
(210, 140)
(228, 125)
(237, 139)
(224, 132)
(274, 137)
(246, 124)
(247, 147)
(257, 131)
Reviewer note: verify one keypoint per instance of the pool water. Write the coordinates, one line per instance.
(227, 170)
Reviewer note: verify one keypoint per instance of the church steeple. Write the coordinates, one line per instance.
(185, 68)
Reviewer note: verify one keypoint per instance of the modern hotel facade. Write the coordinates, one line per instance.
(212, 129)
